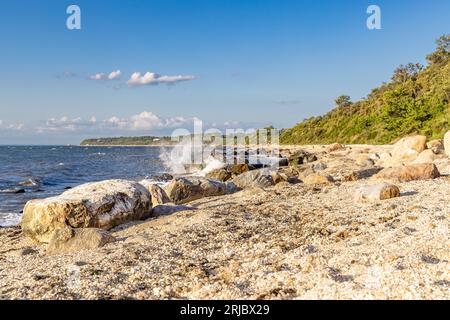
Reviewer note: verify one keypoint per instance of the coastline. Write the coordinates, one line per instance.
(286, 241)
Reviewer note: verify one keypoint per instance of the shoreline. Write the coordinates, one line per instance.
(289, 240)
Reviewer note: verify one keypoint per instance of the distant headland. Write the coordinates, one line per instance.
(129, 141)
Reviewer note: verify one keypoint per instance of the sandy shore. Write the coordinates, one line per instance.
(289, 241)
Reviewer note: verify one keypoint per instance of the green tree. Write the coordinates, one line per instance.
(406, 72)
(343, 101)
(442, 53)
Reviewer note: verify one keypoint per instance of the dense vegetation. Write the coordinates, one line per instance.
(128, 141)
(415, 101)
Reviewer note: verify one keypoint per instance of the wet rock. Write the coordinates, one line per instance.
(408, 173)
(182, 190)
(32, 182)
(12, 191)
(69, 240)
(318, 179)
(165, 177)
(104, 205)
(376, 192)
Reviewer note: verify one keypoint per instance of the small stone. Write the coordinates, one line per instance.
(376, 192)
(437, 146)
(317, 179)
(364, 161)
(319, 166)
(335, 147)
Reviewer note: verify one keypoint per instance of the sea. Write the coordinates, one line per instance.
(34, 172)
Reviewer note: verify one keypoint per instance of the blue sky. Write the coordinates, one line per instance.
(244, 63)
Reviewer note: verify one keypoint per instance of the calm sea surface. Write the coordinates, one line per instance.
(31, 172)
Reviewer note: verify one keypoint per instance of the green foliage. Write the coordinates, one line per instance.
(343, 101)
(404, 73)
(415, 102)
(442, 53)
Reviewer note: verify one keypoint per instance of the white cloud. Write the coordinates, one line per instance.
(104, 76)
(11, 126)
(98, 76)
(115, 75)
(149, 78)
(145, 121)
(62, 124)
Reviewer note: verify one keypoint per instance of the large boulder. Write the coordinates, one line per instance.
(376, 192)
(182, 190)
(408, 173)
(407, 149)
(104, 205)
(257, 178)
(447, 143)
(69, 240)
